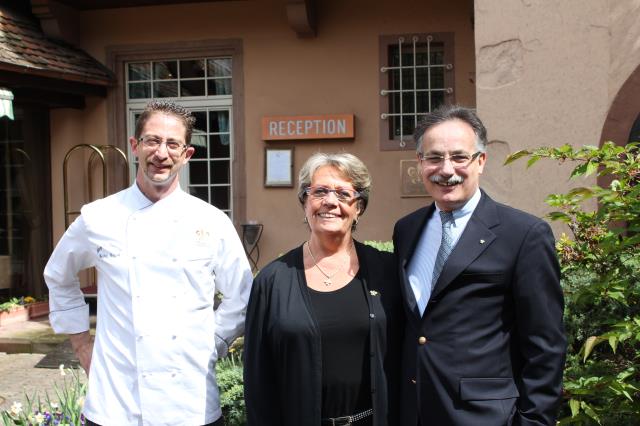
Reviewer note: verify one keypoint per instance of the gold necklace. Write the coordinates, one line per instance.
(327, 281)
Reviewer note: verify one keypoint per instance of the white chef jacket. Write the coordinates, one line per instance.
(157, 336)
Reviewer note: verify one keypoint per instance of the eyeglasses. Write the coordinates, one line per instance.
(343, 195)
(153, 142)
(458, 161)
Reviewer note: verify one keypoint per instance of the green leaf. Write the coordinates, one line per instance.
(613, 342)
(559, 216)
(589, 345)
(518, 154)
(579, 170)
(574, 405)
(532, 160)
(592, 166)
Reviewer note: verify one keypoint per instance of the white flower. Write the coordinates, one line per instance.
(80, 401)
(54, 406)
(39, 418)
(62, 372)
(16, 408)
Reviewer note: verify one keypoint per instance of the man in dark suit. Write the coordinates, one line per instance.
(484, 341)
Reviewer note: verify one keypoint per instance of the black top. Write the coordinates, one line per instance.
(343, 321)
(283, 349)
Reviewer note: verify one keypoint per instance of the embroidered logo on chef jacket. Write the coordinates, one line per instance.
(203, 237)
(103, 252)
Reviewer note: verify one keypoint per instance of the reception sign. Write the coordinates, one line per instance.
(296, 127)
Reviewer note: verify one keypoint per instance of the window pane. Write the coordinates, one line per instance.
(192, 88)
(219, 86)
(219, 172)
(394, 79)
(201, 192)
(199, 142)
(422, 57)
(165, 89)
(408, 125)
(219, 121)
(219, 67)
(437, 99)
(394, 103)
(139, 71)
(198, 172)
(219, 146)
(139, 90)
(192, 68)
(165, 70)
(407, 55)
(437, 77)
(422, 78)
(423, 101)
(220, 197)
(201, 122)
(407, 103)
(407, 79)
(394, 127)
(437, 53)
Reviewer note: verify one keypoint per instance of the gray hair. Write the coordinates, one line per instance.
(169, 108)
(348, 164)
(451, 112)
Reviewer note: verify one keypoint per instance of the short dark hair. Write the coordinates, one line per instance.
(169, 108)
(451, 112)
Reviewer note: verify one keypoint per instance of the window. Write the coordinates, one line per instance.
(179, 78)
(204, 86)
(416, 76)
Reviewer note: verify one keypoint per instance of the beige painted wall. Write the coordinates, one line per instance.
(547, 72)
(335, 72)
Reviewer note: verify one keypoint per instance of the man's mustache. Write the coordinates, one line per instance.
(452, 180)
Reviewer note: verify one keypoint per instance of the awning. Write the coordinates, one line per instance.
(6, 103)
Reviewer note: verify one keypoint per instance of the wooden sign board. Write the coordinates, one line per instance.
(296, 127)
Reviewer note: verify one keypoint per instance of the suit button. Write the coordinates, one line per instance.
(422, 340)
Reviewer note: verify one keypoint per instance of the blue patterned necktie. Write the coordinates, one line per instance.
(446, 245)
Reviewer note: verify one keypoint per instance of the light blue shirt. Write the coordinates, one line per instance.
(420, 269)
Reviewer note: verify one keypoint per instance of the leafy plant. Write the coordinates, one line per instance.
(601, 281)
(229, 378)
(381, 245)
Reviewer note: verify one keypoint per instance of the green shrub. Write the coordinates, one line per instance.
(381, 245)
(601, 281)
(229, 378)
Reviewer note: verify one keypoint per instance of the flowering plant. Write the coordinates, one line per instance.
(16, 302)
(45, 412)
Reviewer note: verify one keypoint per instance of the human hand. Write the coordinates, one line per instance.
(82, 344)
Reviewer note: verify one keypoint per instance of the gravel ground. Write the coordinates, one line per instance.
(19, 377)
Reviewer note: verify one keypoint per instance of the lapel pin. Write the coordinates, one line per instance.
(373, 293)
(481, 241)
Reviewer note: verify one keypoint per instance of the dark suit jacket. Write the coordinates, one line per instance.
(495, 344)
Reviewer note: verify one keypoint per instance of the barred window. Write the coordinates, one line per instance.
(416, 76)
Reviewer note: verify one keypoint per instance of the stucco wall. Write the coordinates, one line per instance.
(335, 72)
(542, 73)
(547, 73)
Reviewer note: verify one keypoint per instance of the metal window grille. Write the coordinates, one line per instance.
(416, 83)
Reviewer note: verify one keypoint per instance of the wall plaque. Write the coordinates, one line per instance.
(295, 127)
(411, 182)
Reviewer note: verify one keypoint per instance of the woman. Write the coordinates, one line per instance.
(324, 320)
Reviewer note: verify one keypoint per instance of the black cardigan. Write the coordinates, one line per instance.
(282, 354)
